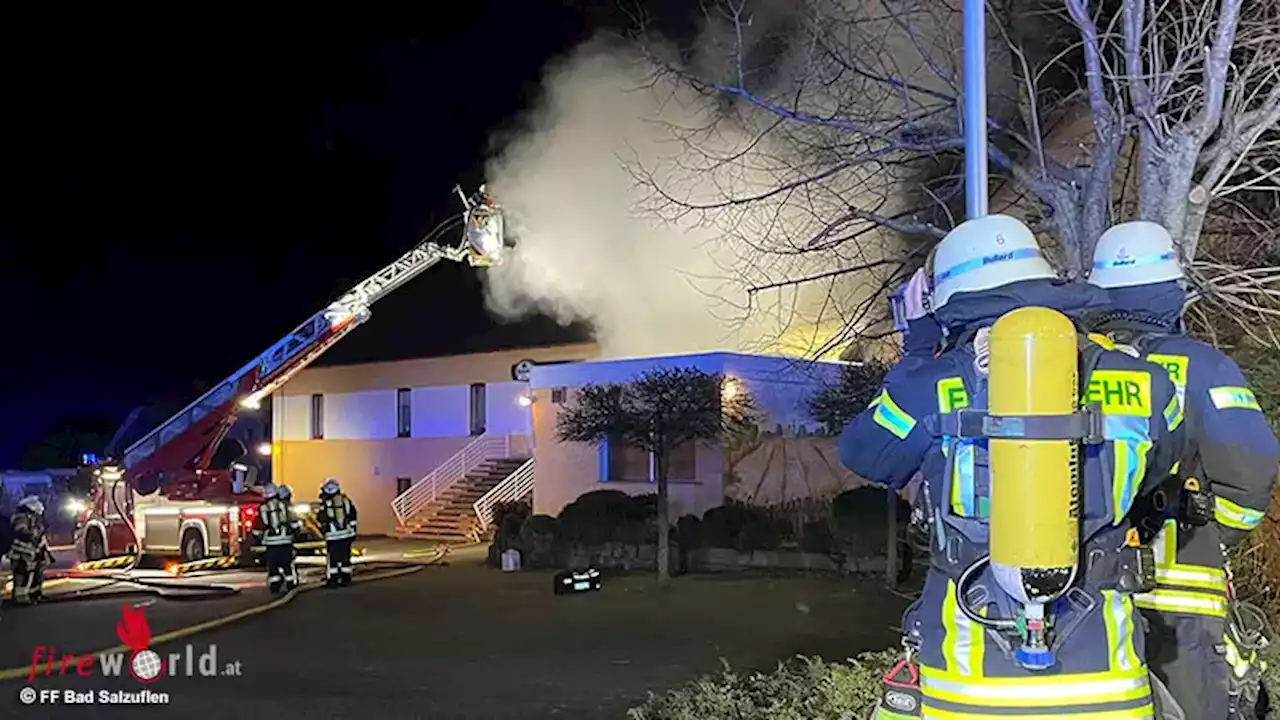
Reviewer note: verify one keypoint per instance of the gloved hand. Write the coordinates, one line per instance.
(915, 298)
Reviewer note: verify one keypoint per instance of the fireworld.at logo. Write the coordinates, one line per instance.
(145, 665)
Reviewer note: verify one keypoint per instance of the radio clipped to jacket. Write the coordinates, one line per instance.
(1136, 565)
(1195, 503)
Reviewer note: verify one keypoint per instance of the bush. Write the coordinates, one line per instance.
(859, 523)
(741, 527)
(804, 689)
(688, 532)
(604, 516)
(508, 518)
(539, 538)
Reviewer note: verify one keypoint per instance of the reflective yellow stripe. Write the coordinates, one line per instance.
(1118, 617)
(875, 400)
(1238, 398)
(1130, 468)
(1173, 414)
(1235, 516)
(1193, 576)
(1182, 601)
(963, 646)
(1145, 712)
(951, 395)
(893, 418)
(1035, 692)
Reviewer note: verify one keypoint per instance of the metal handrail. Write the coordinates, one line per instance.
(427, 490)
(514, 487)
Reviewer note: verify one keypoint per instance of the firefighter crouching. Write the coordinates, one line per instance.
(29, 555)
(276, 527)
(337, 520)
(1026, 608)
(1219, 493)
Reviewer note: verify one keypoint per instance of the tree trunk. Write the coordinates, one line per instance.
(891, 557)
(664, 522)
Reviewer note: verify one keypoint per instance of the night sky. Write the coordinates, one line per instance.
(173, 203)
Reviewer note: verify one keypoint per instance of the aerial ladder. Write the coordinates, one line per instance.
(180, 450)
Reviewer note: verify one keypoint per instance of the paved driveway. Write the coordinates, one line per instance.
(463, 641)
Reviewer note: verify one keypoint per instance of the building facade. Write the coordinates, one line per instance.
(780, 457)
(379, 428)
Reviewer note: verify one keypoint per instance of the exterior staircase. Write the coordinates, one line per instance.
(451, 516)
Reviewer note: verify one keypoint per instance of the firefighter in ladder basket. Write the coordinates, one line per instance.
(337, 520)
(276, 527)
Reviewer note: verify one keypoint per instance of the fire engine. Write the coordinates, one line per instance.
(164, 497)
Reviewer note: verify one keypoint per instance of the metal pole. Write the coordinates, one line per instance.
(975, 108)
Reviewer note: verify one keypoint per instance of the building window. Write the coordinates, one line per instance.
(402, 485)
(317, 417)
(558, 395)
(627, 463)
(477, 409)
(404, 412)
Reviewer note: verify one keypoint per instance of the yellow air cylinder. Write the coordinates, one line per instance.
(1034, 521)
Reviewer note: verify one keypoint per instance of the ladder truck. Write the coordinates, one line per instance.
(163, 498)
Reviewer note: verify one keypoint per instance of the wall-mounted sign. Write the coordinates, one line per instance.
(520, 371)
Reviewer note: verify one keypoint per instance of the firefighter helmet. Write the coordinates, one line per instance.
(270, 492)
(986, 253)
(284, 492)
(1135, 253)
(330, 487)
(32, 504)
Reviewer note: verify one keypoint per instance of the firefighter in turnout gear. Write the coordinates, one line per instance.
(276, 527)
(1063, 642)
(1220, 490)
(337, 520)
(29, 555)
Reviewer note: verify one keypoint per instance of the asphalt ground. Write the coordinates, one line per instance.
(464, 641)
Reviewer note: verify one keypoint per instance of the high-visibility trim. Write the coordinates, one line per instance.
(1240, 664)
(875, 400)
(1173, 414)
(1193, 576)
(1235, 516)
(1081, 689)
(893, 418)
(1182, 601)
(1131, 441)
(1118, 617)
(1233, 398)
(1140, 712)
(963, 646)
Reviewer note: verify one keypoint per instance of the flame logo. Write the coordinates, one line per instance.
(134, 631)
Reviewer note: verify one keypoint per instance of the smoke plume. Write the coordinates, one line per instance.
(593, 183)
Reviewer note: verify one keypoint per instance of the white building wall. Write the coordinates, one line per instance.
(504, 414)
(291, 417)
(438, 411)
(368, 415)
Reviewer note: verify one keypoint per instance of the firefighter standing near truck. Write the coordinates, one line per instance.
(1219, 492)
(275, 528)
(29, 555)
(337, 520)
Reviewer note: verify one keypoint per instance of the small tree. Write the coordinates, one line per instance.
(658, 411)
(836, 405)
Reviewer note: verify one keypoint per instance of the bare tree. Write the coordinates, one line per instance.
(837, 133)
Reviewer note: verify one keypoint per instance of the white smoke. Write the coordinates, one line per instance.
(591, 249)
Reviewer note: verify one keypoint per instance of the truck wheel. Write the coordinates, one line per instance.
(192, 546)
(94, 547)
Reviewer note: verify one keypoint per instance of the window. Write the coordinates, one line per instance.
(631, 464)
(404, 412)
(317, 417)
(558, 396)
(402, 485)
(477, 409)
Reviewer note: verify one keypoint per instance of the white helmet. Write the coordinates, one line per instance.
(1134, 253)
(985, 253)
(31, 503)
(284, 492)
(269, 492)
(330, 487)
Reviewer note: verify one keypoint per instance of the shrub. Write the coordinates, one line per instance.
(804, 689)
(538, 541)
(859, 521)
(603, 516)
(508, 518)
(741, 527)
(689, 532)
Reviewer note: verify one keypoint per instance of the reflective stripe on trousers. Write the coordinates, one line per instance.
(344, 534)
(1190, 589)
